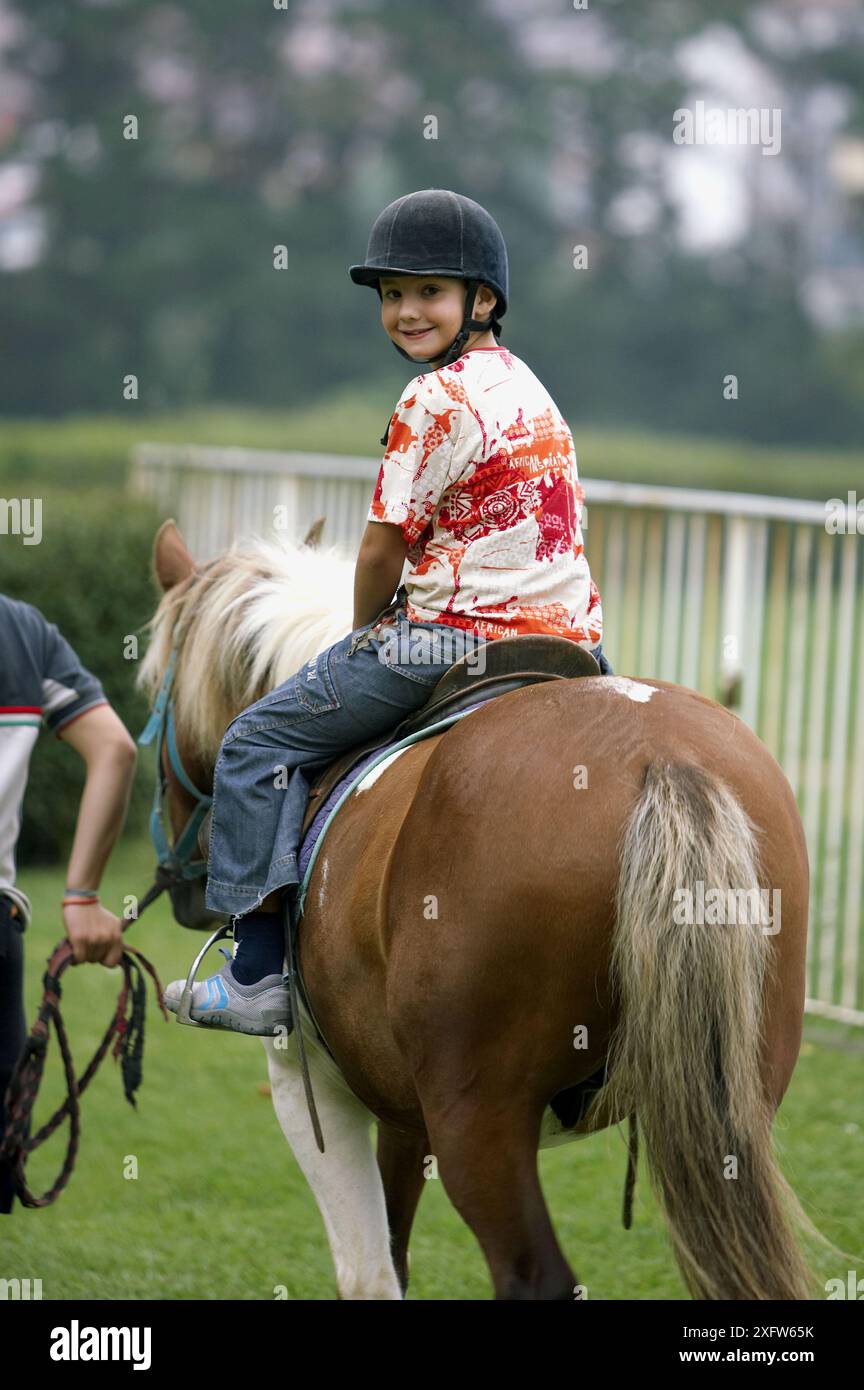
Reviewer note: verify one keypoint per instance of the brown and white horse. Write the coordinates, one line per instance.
(499, 912)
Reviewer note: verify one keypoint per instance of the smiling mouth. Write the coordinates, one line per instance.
(415, 333)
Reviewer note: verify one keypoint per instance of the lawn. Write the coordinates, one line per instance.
(219, 1209)
(85, 450)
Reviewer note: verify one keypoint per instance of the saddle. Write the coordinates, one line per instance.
(510, 663)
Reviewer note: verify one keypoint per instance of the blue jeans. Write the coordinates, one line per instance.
(360, 688)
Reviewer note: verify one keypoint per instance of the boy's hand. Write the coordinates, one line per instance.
(95, 933)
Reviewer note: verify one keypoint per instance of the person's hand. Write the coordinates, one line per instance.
(95, 933)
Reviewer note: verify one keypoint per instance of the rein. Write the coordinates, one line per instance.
(128, 1032)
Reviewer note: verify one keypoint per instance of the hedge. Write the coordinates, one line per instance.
(91, 575)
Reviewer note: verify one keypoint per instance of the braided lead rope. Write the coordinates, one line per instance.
(24, 1085)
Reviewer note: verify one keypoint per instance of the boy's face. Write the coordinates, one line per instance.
(423, 313)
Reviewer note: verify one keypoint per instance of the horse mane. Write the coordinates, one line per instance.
(244, 622)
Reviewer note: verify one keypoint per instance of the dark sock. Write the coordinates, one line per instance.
(260, 941)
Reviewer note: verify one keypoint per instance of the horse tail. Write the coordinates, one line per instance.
(684, 1055)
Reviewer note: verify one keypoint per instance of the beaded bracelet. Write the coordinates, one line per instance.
(80, 892)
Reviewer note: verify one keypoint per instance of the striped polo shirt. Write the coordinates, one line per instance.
(41, 681)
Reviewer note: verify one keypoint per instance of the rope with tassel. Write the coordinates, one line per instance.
(127, 1030)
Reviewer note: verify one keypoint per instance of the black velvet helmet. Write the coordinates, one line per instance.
(438, 232)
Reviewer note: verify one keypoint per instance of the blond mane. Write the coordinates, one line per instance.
(245, 622)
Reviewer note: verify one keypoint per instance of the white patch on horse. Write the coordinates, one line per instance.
(372, 776)
(634, 690)
(322, 886)
(345, 1180)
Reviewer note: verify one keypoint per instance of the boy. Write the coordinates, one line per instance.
(479, 491)
(42, 679)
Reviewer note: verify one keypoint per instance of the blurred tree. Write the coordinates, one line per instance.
(262, 127)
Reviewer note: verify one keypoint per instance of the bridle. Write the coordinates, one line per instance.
(174, 863)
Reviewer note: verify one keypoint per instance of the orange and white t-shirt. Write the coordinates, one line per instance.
(480, 474)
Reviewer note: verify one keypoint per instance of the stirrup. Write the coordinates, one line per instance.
(183, 1014)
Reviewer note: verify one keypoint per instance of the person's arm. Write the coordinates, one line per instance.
(379, 569)
(413, 475)
(105, 745)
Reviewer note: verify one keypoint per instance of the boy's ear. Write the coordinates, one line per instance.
(485, 291)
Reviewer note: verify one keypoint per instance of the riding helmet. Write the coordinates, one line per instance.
(437, 232)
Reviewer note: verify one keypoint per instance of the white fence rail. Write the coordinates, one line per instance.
(744, 598)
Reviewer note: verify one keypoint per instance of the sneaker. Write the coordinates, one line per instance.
(262, 1009)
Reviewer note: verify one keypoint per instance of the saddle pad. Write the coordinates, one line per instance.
(314, 836)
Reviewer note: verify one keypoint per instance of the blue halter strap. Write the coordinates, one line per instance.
(176, 859)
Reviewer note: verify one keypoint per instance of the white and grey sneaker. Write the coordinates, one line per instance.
(262, 1009)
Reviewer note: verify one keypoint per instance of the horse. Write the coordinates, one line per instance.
(504, 914)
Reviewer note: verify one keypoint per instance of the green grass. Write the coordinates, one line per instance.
(84, 450)
(219, 1209)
